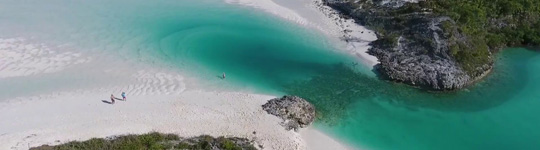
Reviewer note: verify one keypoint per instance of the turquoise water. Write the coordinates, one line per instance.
(267, 55)
(500, 112)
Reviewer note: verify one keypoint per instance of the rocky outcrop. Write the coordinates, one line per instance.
(420, 56)
(414, 45)
(295, 111)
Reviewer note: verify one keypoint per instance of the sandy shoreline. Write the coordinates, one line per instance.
(83, 115)
(80, 116)
(158, 100)
(344, 33)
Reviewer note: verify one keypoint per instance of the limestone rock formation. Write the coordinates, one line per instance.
(295, 111)
(415, 46)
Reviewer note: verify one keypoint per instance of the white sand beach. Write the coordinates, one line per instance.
(162, 100)
(157, 100)
(344, 33)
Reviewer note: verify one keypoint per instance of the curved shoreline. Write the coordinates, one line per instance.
(159, 100)
(344, 33)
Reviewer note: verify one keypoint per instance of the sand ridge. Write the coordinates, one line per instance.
(21, 58)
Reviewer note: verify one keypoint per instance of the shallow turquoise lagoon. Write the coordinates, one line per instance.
(500, 112)
(267, 55)
(272, 57)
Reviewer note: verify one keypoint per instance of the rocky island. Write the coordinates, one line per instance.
(295, 111)
(441, 44)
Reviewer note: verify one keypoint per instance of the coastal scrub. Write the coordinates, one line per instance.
(154, 141)
(443, 44)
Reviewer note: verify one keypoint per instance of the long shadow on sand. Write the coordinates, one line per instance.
(107, 102)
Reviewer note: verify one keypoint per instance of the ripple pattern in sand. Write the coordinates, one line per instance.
(21, 58)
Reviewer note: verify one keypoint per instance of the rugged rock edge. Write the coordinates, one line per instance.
(295, 111)
(413, 47)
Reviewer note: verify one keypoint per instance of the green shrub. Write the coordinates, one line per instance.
(150, 141)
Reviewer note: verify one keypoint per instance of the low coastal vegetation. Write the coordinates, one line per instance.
(443, 44)
(490, 25)
(155, 141)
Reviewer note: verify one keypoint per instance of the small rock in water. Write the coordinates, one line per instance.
(295, 111)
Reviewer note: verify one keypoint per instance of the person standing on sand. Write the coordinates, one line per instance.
(124, 96)
(112, 99)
